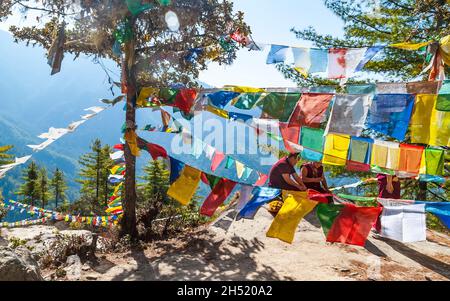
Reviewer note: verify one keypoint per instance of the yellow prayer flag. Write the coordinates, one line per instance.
(146, 92)
(336, 149)
(239, 169)
(218, 112)
(428, 125)
(410, 46)
(440, 128)
(296, 205)
(445, 49)
(184, 187)
(242, 89)
(379, 155)
(131, 139)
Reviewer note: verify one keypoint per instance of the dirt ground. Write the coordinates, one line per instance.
(241, 251)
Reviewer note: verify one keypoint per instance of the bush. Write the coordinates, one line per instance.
(64, 246)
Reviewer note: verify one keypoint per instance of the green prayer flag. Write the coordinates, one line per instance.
(279, 105)
(248, 100)
(213, 180)
(167, 95)
(229, 163)
(443, 100)
(434, 160)
(327, 213)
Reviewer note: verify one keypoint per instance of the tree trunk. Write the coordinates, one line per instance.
(129, 202)
(422, 195)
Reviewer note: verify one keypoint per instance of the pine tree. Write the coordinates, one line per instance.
(4, 157)
(30, 188)
(156, 180)
(58, 186)
(94, 175)
(154, 55)
(44, 186)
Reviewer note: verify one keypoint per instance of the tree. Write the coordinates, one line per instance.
(4, 157)
(44, 192)
(382, 22)
(58, 186)
(156, 180)
(94, 175)
(153, 55)
(30, 188)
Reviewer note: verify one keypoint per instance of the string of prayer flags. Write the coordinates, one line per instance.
(296, 205)
(184, 187)
(349, 114)
(390, 114)
(405, 223)
(347, 223)
(312, 140)
(261, 196)
(359, 154)
(54, 133)
(217, 197)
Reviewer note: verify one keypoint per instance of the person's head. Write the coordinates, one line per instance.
(294, 158)
(317, 164)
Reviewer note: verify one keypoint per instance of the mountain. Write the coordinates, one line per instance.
(31, 101)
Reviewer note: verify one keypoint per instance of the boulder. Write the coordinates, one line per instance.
(73, 268)
(18, 265)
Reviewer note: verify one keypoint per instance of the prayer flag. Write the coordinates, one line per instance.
(248, 100)
(175, 169)
(239, 169)
(434, 161)
(359, 154)
(217, 196)
(310, 60)
(410, 158)
(312, 141)
(368, 55)
(277, 54)
(279, 105)
(132, 140)
(185, 99)
(405, 223)
(217, 159)
(222, 98)
(336, 149)
(310, 110)
(184, 187)
(390, 114)
(336, 63)
(347, 224)
(261, 196)
(385, 154)
(443, 101)
(349, 114)
(296, 206)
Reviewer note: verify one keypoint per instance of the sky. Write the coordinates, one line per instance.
(270, 22)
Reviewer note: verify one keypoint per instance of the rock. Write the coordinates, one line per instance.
(91, 277)
(354, 274)
(345, 270)
(18, 265)
(73, 268)
(85, 267)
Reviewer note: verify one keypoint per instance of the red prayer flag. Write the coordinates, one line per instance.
(320, 197)
(353, 225)
(217, 159)
(185, 99)
(261, 180)
(291, 134)
(310, 110)
(217, 196)
(119, 147)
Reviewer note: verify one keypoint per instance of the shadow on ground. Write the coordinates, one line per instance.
(198, 257)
